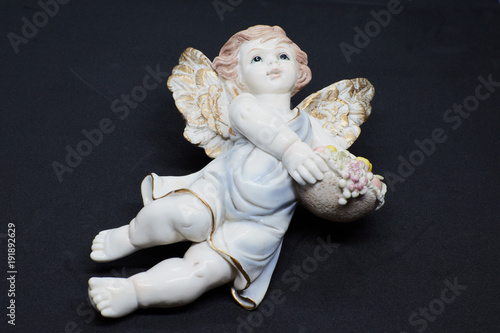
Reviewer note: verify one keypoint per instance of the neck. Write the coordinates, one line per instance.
(280, 101)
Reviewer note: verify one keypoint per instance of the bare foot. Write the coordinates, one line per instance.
(113, 297)
(112, 244)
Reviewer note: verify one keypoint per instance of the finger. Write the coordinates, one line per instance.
(313, 169)
(320, 162)
(320, 154)
(331, 164)
(306, 175)
(295, 175)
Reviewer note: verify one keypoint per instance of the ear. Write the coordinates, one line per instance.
(305, 76)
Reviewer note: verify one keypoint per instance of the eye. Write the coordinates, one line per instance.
(256, 59)
(283, 56)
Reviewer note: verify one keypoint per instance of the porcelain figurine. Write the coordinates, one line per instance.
(236, 210)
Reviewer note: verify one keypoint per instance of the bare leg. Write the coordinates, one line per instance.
(173, 282)
(175, 218)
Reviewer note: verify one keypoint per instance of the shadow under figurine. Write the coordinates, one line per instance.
(267, 158)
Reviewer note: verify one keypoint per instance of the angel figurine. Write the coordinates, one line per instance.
(236, 210)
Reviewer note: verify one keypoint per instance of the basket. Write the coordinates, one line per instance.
(349, 191)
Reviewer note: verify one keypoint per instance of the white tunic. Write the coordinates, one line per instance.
(252, 199)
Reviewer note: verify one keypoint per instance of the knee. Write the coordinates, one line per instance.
(183, 216)
(211, 275)
(201, 271)
(208, 265)
(194, 222)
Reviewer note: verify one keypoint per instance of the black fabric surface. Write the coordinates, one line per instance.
(428, 261)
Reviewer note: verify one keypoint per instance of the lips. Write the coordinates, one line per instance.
(274, 73)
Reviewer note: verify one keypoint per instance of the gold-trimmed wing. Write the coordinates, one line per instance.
(202, 99)
(341, 108)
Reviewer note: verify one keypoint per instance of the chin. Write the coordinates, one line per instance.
(279, 87)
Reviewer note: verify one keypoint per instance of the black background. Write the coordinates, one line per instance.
(440, 223)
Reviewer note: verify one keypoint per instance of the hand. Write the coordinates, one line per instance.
(303, 164)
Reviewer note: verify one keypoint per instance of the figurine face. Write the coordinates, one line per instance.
(268, 67)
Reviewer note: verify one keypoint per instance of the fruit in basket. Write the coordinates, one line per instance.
(347, 192)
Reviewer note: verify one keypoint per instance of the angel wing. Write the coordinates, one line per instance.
(340, 109)
(203, 100)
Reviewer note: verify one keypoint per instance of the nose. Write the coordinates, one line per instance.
(271, 60)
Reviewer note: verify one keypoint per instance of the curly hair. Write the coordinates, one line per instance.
(226, 63)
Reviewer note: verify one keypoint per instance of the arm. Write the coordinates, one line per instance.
(271, 134)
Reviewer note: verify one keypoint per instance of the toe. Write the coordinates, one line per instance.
(94, 283)
(100, 237)
(95, 292)
(98, 256)
(108, 313)
(99, 298)
(97, 246)
(106, 304)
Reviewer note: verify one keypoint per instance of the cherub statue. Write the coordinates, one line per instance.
(236, 210)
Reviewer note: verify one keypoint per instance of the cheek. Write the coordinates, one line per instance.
(297, 71)
(294, 73)
(258, 75)
(253, 77)
(247, 76)
(292, 69)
